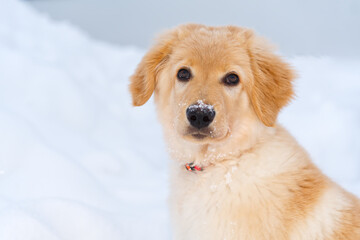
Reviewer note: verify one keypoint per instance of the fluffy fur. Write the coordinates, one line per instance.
(258, 183)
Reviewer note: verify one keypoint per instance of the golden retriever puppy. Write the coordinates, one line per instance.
(236, 173)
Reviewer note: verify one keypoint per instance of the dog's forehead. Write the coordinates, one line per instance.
(210, 49)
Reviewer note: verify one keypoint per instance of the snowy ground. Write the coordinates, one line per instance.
(78, 162)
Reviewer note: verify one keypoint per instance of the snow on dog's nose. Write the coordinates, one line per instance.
(200, 115)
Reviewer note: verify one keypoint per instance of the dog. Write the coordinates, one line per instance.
(236, 173)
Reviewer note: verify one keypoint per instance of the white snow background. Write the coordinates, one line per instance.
(77, 161)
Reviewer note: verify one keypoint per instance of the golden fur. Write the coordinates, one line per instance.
(258, 183)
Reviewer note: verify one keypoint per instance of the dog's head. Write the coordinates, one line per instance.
(210, 82)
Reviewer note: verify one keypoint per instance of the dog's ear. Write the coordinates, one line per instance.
(143, 81)
(271, 88)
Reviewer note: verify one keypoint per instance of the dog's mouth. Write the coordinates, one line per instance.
(206, 134)
(199, 135)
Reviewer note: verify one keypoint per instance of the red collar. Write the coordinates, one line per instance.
(191, 167)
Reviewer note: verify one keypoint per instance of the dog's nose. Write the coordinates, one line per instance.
(200, 115)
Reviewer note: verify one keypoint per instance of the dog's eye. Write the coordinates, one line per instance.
(231, 79)
(183, 75)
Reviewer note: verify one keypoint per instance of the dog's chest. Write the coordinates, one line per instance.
(220, 205)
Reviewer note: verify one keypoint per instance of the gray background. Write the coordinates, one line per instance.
(322, 27)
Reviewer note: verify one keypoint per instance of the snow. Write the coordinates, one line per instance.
(77, 161)
(201, 105)
(228, 178)
(74, 152)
